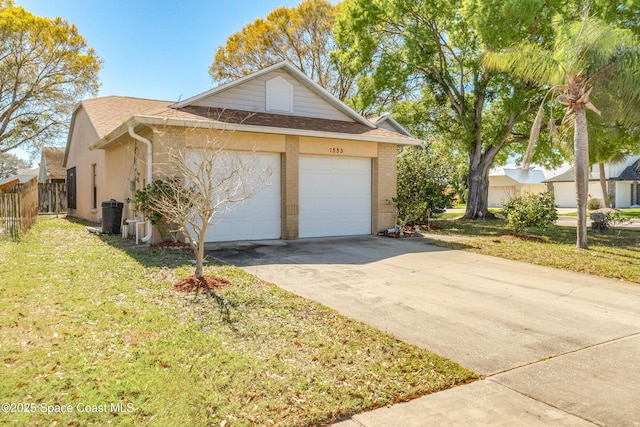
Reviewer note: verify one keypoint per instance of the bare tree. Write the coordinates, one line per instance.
(206, 183)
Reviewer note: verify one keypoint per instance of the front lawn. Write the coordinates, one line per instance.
(92, 334)
(614, 253)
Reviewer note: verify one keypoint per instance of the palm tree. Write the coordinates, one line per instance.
(589, 56)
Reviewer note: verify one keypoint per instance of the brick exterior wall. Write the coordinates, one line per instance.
(290, 188)
(383, 188)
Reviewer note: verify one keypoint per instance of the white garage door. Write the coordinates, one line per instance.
(257, 218)
(500, 194)
(335, 196)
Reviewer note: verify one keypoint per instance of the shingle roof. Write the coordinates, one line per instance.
(630, 173)
(53, 157)
(569, 176)
(272, 120)
(530, 176)
(109, 112)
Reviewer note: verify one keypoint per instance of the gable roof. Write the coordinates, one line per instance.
(51, 163)
(386, 118)
(293, 72)
(530, 176)
(111, 116)
(108, 112)
(569, 176)
(630, 173)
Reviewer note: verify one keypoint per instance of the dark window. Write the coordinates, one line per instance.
(94, 187)
(71, 188)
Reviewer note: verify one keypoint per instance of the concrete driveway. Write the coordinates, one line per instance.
(553, 347)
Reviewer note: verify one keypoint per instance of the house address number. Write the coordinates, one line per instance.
(336, 150)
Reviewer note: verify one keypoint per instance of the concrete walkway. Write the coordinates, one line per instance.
(553, 347)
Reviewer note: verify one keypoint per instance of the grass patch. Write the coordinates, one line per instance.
(614, 254)
(89, 324)
(629, 213)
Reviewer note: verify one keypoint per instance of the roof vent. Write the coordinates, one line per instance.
(279, 93)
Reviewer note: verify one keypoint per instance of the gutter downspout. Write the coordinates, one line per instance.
(146, 238)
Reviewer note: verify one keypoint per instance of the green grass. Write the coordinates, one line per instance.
(87, 323)
(629, 213)
(614, 254)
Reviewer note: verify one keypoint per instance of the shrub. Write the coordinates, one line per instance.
(594, 204)
(530, 210)
(423, 185)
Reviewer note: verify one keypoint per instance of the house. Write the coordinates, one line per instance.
(387, 122)
(511, 181)
(51, 169)
(622, 184)
(21, 177)
(52, 189)
(334, 172)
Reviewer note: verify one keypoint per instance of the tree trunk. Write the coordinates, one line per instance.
(581, 168)
(603, 185)
(199, 252)
(478, 198)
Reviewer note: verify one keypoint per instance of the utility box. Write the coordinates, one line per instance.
(111, 217)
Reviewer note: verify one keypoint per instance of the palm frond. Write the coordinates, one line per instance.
(527, 61)
(533, 137)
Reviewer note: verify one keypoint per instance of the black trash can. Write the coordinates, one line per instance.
(111, 217)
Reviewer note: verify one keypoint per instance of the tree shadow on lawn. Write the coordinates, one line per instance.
(145, 255)
(165, 257)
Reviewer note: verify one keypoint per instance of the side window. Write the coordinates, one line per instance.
(94, 186)
(71, 188)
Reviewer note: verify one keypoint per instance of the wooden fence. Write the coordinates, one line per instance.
(52, 197)
(18, 209)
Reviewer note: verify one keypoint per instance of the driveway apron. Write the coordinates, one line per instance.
(553, 347)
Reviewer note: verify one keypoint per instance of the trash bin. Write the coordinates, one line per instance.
(111, 217)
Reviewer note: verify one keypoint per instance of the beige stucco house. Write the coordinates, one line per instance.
(334, 172)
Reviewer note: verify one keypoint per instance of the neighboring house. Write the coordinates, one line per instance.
(52, 189)
(387, 122)
(22, 177)
(334, 172)
(51, 168)
(510, 181)
(622, 184)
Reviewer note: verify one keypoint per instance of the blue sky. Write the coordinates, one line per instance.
(158, 49)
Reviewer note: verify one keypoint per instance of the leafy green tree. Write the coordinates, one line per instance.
(587, 55)
(45, 68)
(301, 35)
(424, 185)
(429, 55)
(9, 164)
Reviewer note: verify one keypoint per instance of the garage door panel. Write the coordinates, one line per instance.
(335, 196)
(258, 217)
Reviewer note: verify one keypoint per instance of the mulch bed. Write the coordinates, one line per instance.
(172, 245)
(192, 283)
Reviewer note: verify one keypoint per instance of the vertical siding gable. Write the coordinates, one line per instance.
(251, 96)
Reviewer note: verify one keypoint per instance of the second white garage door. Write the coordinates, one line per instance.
(335, 196)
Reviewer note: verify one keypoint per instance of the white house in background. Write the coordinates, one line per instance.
(510, 181)
(622, 183)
